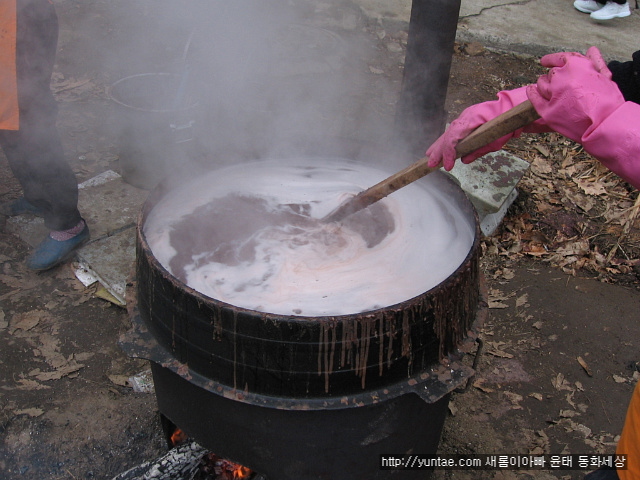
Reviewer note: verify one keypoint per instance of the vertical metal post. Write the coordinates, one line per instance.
(420, 115)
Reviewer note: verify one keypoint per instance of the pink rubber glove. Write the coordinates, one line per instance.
(616, 142)
(579, 100)
(443, 149)
(576, 95)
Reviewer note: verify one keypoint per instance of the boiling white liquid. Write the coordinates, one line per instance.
(322, 269)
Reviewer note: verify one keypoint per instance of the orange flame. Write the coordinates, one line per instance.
(178, 437)
(241, 472)
(225, 469)
(229, 470)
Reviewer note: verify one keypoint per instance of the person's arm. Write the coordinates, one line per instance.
(616, 142)
(578, 99)
(443, 150)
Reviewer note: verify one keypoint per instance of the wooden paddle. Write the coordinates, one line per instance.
(508, 122)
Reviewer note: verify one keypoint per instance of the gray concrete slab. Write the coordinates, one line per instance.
(489, 180)
(490, 183)
(538, 27)
(110, 207)
(110, 260)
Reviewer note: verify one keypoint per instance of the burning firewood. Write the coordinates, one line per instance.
(189, 461)
(215, 468)
(180, 463)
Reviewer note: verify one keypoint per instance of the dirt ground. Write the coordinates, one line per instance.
(561, 353)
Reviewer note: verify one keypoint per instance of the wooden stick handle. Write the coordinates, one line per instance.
(510, 121)
(504, 124)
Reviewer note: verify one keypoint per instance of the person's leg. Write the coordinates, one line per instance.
(35, 151)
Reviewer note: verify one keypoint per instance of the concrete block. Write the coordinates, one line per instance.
(490, 183)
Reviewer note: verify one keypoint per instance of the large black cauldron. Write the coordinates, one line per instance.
(305, 397)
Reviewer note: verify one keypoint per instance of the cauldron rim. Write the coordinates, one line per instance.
(164, 187)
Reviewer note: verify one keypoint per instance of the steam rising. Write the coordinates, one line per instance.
(267, 76)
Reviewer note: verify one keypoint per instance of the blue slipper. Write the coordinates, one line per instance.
(19, 207)
(50, 252)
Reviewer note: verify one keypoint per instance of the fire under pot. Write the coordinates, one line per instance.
(296, 397)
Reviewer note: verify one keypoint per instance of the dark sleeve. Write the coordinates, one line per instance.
(627, 76)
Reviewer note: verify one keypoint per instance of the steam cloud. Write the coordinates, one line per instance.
(267, 77)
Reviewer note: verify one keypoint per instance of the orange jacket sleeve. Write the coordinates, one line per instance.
(629, 443)
(9, 117)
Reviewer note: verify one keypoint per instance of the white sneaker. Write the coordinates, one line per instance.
(611, 10)
(587, 6)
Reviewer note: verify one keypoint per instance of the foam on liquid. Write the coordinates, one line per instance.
(249, 235)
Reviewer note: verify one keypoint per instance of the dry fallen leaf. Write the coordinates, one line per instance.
(494, 348)
(83, 356)
(500, 354)
(582, 407)
(541, 167)
(522, 300)
(560, 383)
(508, 274)
(515, 399)
(32, 412)
(479, 384)
(584, 365)
(571, 426)
(590, 187)
(497, 298)
(497, 305)
(57, 374)
(26, 321)
(568, 413)
(26, 384)
(542, 149)
(619, 379)
(121, 380)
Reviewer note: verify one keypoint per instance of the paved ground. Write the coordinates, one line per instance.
(531, 26)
